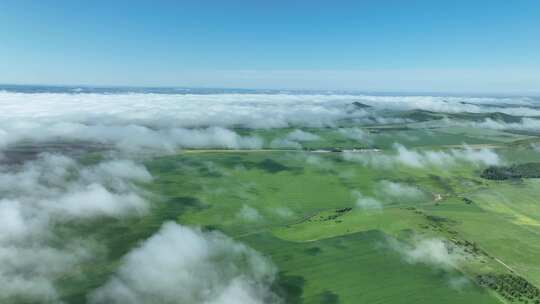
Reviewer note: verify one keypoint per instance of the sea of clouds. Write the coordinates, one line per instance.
(169, 121)
(178, 264)
(402, 156)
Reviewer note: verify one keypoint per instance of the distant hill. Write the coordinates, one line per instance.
(483, 116)
(361, 105)
(420, 115)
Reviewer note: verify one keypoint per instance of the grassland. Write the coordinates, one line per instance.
(299, 208)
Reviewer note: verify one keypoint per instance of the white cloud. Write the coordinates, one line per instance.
(411, 158)
(182, 110)
(283, 143)
(12, 223)
(318, 161)
(431, 251)
(354, 133)
(365, 202)
(283, 212)
(526, 123)
(398, 191)
(177, 265)
(96, 200)
(387, 192)
(184, 265)
(425, 158)
(459, 282)
(249, 214)
(521, 106)
(299, 135)
(170, 121)
(293, 140)
(127, 137)
(51, 191)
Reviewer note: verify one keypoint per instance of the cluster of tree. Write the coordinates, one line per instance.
(526, 170)
(343, 210)
(469, 247)
(467, 200)
(511, 287)
(437, 219)
(338, 212)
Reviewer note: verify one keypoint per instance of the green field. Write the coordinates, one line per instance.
(343, 259)
(286, 204)
(343, 229)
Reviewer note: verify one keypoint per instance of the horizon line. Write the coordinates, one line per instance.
(276, 90)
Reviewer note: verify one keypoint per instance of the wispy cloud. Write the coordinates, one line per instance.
(185, 265)
(434, 252)
(425, 158)
(50, 191)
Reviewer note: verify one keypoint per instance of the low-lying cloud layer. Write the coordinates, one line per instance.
(126, 137)
(293, 140)
(50, 191)
(424, 158)
(41, 199)
(38, 198)
(249, 214)
(398, 191)
(366, 203)
(356, 134)
(388, 192)
(248, 110)
(433, 252)
(184, 265)
(520, 106)
(183, 110)
(168, 121)
(526, 124)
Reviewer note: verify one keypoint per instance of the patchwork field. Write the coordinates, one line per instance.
(300, 209)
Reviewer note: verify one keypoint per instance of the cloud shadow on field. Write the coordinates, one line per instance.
(290, 288)
(328, 297)
(271, 166)
(177, 205)
(313, 251)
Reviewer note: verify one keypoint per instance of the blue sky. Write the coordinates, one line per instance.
(451, 46)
